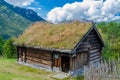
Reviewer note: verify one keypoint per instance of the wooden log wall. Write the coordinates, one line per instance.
(30, 55)
(38, 56)
(92, 46)
(80, 60)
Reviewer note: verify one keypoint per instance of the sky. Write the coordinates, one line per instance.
(56, 11)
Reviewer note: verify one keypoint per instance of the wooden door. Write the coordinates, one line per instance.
(65, 63)
(22, 55)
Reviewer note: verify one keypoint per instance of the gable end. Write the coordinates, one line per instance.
(93, 33)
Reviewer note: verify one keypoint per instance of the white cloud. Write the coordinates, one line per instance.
(35, 9)
(96, 10)
(20, 3)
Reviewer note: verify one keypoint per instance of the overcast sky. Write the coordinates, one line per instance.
(60, 10)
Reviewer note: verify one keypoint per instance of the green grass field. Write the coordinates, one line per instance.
(11, 70)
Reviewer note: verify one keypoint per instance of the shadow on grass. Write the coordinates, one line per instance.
(80, 77)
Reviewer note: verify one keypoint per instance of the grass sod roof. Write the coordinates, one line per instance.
(58, 36)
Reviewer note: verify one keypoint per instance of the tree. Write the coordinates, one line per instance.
(9, 49)
(1, 45)
(111, 34)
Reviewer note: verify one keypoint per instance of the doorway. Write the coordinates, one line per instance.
(65, 63)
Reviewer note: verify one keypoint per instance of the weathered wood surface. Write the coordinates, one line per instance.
(105, 71)
(39, 56)
(79, 61)
(92, 46)
(34, 56)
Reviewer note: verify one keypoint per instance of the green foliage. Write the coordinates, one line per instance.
(111, 35)
(1, 45)
(9, 49)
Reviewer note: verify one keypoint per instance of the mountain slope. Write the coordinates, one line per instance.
(27, 13)
(12, 23)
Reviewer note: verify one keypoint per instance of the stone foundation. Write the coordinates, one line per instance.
(77, 72)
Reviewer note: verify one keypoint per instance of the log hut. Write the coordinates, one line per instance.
(65, 47)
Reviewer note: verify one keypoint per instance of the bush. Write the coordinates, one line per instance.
(9, 49)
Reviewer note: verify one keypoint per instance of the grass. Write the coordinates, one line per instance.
(60, 36)
(10, 70)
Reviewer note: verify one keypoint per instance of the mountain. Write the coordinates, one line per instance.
(14, 20)
(27, 13)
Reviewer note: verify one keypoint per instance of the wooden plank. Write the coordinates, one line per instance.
(89, 36)
(82, 50)
(71, 64)
(97, 60)
(92, 38)
(52, 62)
(95, 57)
(39, 61)
(47, 59)
(85, 43)
(93, 48)
(94, 54)
(93, 51)
(17, 53)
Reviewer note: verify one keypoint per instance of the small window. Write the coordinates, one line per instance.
(56, 56)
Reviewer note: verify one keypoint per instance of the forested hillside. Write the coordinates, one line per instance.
(14, 20)
(111, 35)
(11, 23)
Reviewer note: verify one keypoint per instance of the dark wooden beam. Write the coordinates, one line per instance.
(17, 53)
(25, 50)
(52, 61)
